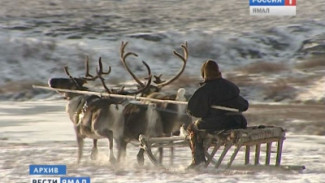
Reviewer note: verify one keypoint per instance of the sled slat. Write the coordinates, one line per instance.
(257, 154)
(233, 156)
(172, 155)
(268, 153)
(247, 154)
(279, 153)
(210, 157)
(223, 154)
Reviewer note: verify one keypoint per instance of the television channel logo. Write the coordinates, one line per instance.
(272, 7)
(57, 171)
(60, 180)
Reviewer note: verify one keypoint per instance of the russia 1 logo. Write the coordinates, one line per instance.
(272, 7)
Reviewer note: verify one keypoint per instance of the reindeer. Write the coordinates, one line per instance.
(154, 119)
(94, 117)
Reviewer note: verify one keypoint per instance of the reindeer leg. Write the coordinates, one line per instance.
(80, 142)
(140, 157)
(121, 150)
(94, 150)
(111, 154)
(109, 134)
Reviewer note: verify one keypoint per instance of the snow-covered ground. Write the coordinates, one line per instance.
(39, 132)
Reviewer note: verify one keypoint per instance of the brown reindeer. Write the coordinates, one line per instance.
(94, 117)
(155, 119)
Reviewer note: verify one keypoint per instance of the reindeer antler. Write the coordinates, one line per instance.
(147, 85)
(88, 76)
(123, 58)
(66, 70)
(183, 58)
(100, 74)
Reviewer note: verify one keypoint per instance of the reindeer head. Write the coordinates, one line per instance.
(75, 83)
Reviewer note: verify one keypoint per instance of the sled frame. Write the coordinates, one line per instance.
(239, 138)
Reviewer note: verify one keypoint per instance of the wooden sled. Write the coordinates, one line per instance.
(247, 138)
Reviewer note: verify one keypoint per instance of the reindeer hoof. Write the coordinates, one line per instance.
(94, 154)
(112, 160)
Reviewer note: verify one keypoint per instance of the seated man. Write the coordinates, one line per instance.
(215, 90)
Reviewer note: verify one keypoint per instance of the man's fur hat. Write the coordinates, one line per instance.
(210, 70)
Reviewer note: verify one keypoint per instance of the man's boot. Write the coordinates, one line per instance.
(196, 144)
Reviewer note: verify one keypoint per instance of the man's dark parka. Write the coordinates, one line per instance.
(220, 92)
